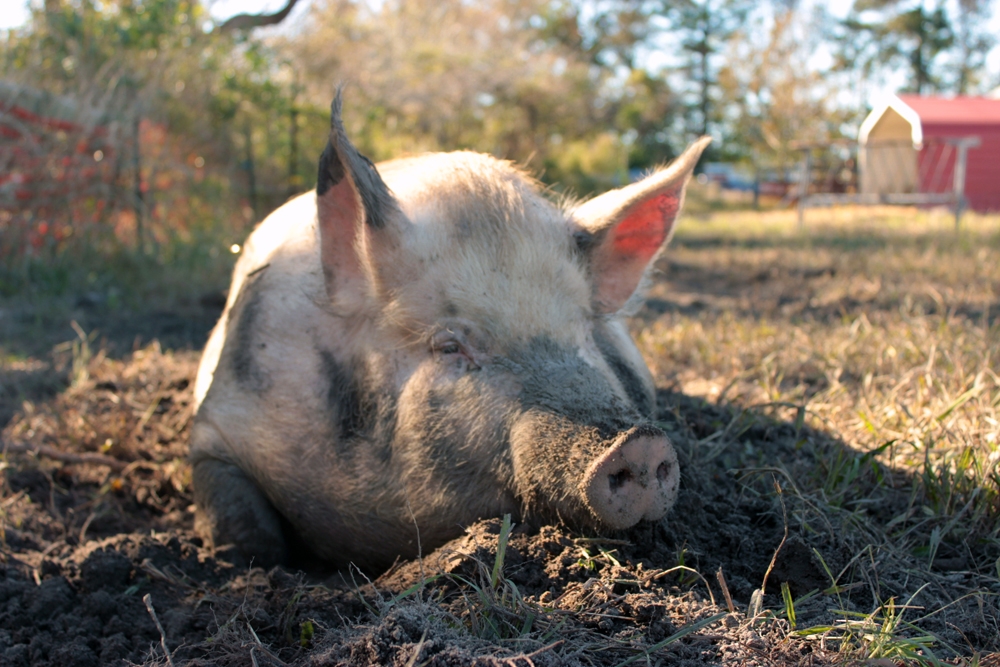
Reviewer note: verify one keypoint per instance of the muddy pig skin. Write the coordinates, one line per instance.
(420, 344)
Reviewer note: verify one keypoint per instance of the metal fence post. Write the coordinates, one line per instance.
(804, 185)
(963, 145)
(139, 199)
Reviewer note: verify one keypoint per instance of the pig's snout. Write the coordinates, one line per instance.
(636, 478)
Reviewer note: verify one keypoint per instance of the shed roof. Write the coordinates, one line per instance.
(926, 112)
(954, 110)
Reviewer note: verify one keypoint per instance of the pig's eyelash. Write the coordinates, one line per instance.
(449, 347)
(444, 339)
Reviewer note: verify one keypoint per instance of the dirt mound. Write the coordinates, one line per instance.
(84, 605)
(97, 515)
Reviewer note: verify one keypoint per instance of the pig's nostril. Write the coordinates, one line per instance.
(619, 479)
(663, 471)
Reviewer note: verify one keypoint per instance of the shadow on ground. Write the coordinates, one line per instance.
(827, 275)
(39, 343)
(85, 542)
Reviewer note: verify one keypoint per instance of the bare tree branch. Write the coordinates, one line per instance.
(249, 21)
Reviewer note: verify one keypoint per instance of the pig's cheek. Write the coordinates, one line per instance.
(503, 384)
(431, 381)
(415, 395)
(454, 366)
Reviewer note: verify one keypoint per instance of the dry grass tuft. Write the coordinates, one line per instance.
(880, 328)
(833, 393)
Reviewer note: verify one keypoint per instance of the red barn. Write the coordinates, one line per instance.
(908, 145)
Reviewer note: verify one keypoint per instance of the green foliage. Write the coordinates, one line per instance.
(878, 33)
(588, 165)
(306, 632)
(188, 135)
(705, 27)
(786, 597)
(194, 134)
(880, 635)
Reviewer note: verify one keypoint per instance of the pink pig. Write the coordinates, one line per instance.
(424, 343)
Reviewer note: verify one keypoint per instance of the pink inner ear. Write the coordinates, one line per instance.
(644, 229)
(338, 221)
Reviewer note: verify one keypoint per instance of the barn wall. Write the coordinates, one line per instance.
(982, 184)
(982, 177)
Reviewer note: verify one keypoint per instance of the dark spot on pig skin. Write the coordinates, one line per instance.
(463, 230)
(344, 398)
(434, 401)
(247, 371)
(584, 241)
(633, 384)
(356, 410)
(331, 171)
(463, 417)
(450, 309)
(374, 193)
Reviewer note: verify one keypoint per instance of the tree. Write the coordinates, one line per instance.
(181, 113)
(705, 28)
(521, 79)
(880, 34)
(777, 103)
(974, 41)
(607, 33)
(635, 101)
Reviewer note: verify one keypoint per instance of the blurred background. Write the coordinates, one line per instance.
(140, 141)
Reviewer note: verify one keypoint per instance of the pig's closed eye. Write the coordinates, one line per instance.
(446, 343)
(451, 347)
(453, 352)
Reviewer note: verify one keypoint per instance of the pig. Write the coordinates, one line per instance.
(423, 343)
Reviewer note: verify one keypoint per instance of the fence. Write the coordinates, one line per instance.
(63, 168)
(884, 172)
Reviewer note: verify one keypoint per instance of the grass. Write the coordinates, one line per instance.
(901, 367)
(107, 284)
(881, 327)
(843, 377)
(496, 609)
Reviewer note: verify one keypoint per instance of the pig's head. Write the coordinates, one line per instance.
(489, 344)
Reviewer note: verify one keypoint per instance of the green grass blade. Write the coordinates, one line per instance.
(501, 550)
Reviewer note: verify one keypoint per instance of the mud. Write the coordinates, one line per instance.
(84, 543)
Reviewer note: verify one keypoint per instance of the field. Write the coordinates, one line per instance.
(833, 393)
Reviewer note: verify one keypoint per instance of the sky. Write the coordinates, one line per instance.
(14, 13)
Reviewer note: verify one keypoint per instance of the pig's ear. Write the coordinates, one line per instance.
(358, 217)
(623, 231)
